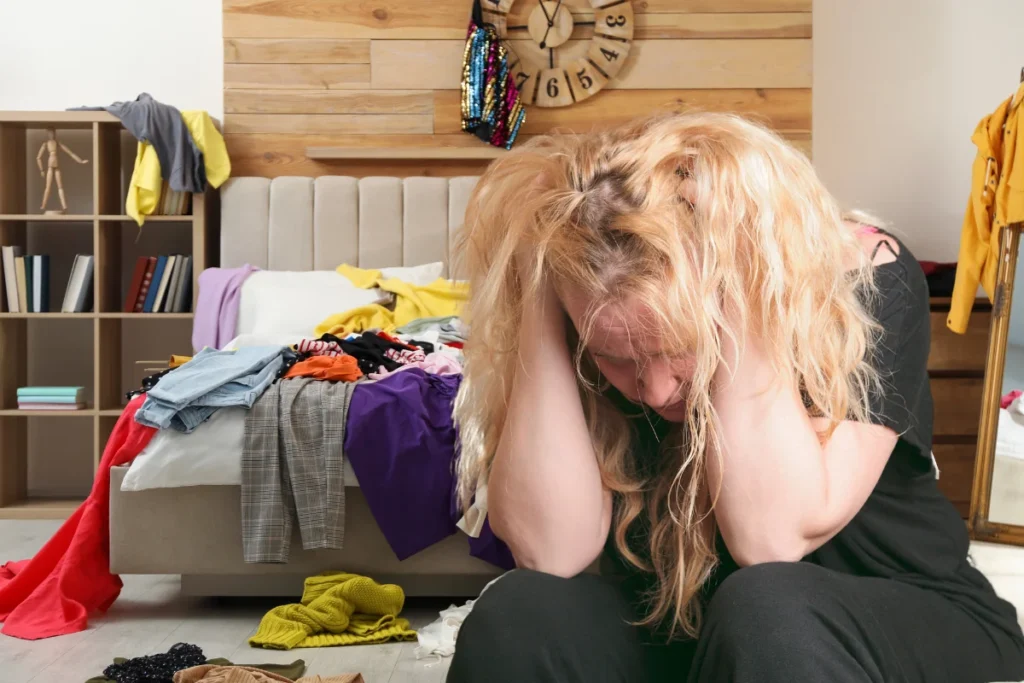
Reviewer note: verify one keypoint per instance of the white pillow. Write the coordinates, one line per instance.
(284, 303)
(415, 275)
(250, 339)
(211, 455)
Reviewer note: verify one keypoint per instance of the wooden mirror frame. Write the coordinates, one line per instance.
(981, 527)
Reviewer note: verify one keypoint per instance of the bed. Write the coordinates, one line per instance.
(302, 224)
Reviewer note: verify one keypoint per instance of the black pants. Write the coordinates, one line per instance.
(772, 622)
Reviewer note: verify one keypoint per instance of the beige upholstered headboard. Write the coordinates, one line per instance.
(293, 223)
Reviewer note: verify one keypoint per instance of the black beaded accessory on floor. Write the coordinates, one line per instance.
(159, 668)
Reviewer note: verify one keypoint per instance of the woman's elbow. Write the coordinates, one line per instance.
(561, 554)
(562, 565)
(748, 552)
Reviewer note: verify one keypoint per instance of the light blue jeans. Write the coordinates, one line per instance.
(185, 398)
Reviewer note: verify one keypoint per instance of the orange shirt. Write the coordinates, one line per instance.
(335, 368)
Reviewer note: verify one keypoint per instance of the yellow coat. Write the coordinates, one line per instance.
(440, 298)
(997, 200)
(145, 186)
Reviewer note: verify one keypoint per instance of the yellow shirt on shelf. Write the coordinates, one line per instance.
(144, 188)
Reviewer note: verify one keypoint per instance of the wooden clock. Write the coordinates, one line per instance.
(561, 57)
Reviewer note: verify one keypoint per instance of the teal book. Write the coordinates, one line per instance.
(50, 399)
(49, 391)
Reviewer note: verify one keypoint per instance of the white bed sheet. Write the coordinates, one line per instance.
(209, 456)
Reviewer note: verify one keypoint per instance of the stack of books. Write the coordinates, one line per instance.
(27, 282)
(51, 398)
(160, 284)
(173, 203)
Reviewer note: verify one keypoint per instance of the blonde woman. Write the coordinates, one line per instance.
(685, 359)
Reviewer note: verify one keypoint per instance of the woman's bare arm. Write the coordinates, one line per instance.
(783, 494)
(546, 500)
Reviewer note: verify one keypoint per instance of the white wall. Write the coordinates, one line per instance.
(56, 54)
(899, 86)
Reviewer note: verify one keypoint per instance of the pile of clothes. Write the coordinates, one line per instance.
(180, 149)
(380, 399)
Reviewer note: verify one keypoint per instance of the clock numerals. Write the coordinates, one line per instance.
(585, 79)
(562, 73)
(554, 89)
(607, 55)
(520, 78)
(615, 21)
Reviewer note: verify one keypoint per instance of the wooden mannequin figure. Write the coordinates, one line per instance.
(53, 169)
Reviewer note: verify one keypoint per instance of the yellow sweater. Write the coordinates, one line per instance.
(440, 298)
(145, 186)
(997, 200)
(336, 609)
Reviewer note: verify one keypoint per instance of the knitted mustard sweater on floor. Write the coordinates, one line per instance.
(336, 609)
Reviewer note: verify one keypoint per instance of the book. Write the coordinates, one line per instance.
(147, 281)
(51, 406)
(84, 301)
(79, 285)
(50, 399)
(136, 284)
(19, 267)
(11, 278)
(67, 303)
(41, 283)
(165, 280)
(183, 297)
(50, 391)
(161, 264)
(30, 304)
(172, 284)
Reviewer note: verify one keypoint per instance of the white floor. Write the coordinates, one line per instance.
(151, 616)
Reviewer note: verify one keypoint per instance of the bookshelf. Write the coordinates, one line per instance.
(102, 228)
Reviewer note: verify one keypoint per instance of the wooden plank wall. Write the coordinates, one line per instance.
(381, 73)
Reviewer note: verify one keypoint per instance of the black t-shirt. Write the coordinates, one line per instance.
(907, 530)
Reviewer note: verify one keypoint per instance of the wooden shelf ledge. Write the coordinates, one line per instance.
(150, 219)
(61, 120)
(106, 316)
(482, 152)
(43, 218)
(19, 412)
(41, 508)
(146, 316)
(89, 218)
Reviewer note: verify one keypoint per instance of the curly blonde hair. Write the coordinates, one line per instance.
(756, 244)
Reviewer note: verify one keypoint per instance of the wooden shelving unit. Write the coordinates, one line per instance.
(100, 328)
(403, 153)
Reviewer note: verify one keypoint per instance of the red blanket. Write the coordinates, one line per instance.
(54, 592)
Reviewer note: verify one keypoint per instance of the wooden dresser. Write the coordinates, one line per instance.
(956, 366)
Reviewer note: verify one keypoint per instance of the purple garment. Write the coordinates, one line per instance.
(217, 308)
(400, 441)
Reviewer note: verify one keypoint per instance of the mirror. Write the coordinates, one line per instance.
(997, 503)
